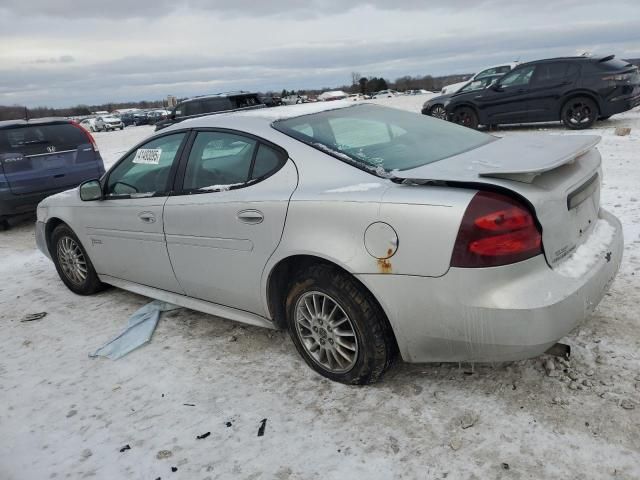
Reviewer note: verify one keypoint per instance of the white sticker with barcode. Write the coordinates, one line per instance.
(149, 156)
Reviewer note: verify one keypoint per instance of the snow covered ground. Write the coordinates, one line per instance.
(64, 415)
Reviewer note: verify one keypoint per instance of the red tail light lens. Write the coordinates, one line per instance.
(495, 230)
(88, 134)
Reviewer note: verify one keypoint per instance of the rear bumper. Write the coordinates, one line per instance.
(619, 105)
(492, 314)
(11, 204)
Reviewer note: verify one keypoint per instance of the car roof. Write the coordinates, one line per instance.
(218, 95)
(270, 115)
(35, 121)
(577, 58)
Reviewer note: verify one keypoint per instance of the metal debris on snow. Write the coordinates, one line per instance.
(33, 316)
(263, 424)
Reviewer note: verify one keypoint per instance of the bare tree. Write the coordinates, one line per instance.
(355, 77)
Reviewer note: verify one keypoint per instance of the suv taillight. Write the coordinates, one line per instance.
(495, 230)
(89, 136)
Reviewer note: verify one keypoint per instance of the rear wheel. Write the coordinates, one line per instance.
(465, 116)
(438, 111)
(337, 326)
(579, 113)
(72, 262)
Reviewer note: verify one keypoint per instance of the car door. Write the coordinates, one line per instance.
(125, 231)
(506, 101)
(229, 216)
(548, 85)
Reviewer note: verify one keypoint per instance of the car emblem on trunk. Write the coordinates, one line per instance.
(51, 148)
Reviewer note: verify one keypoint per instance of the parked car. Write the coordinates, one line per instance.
(485, 72)
(108, 122)
(206, 105)
(128, 118)
(270, 100)
(362, 229)
(385, 94)
(575, 90)
(155, 116)
(41, 157)
(435, 106)
(89, 124)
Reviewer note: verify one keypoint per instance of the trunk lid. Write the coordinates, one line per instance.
(559, 176)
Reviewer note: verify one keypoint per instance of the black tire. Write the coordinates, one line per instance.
(605, 117)
(91, 283)
(465, 116)
(375, 348)
(4, 224)
(579, 113)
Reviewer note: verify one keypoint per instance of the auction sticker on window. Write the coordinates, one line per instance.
(149, 156)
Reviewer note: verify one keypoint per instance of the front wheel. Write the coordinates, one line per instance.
(337, 327)
(438, 111)
(465, 116)
(72, 262)
(579, 113)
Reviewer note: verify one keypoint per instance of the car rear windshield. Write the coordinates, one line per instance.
(382, 139)
(38, 139)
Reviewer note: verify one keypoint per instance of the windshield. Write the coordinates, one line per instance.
(382, 139)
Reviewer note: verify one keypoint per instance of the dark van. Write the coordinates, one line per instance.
(208, 104)
(41, 157)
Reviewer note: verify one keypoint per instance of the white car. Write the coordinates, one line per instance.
(89, 124)
(487, 72)
(108, 122)
(386, 94)
(365, 230)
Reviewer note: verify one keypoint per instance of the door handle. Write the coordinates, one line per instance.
(147, 217)
(252, 217)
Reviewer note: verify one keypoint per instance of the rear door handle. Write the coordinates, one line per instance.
(252, 217)
(147, 217)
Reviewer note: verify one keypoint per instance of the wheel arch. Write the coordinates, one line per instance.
(279, 280)
(579, 93)
(50, 226)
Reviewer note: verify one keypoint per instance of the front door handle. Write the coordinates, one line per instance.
(252, 217)
(147, 217)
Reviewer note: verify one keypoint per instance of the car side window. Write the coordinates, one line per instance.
(518, 77)
(550, 73)
(218, 161)
(267, 161)
(145, 171)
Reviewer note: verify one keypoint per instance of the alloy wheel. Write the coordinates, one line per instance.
(439, 112)
(579, 113)
(72, 260)
(326, 332)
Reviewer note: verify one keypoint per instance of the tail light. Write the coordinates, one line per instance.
(495, 230)
(89, 136)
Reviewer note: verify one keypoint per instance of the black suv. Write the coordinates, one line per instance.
(208, 104)
(576, 90)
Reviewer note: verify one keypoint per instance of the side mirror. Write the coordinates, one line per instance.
(496, 87)
(91, 190)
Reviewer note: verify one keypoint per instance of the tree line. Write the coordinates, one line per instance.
(359, 84)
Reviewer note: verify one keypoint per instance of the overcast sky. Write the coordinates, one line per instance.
(66, 52)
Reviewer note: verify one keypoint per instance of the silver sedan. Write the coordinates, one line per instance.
(365, 231)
